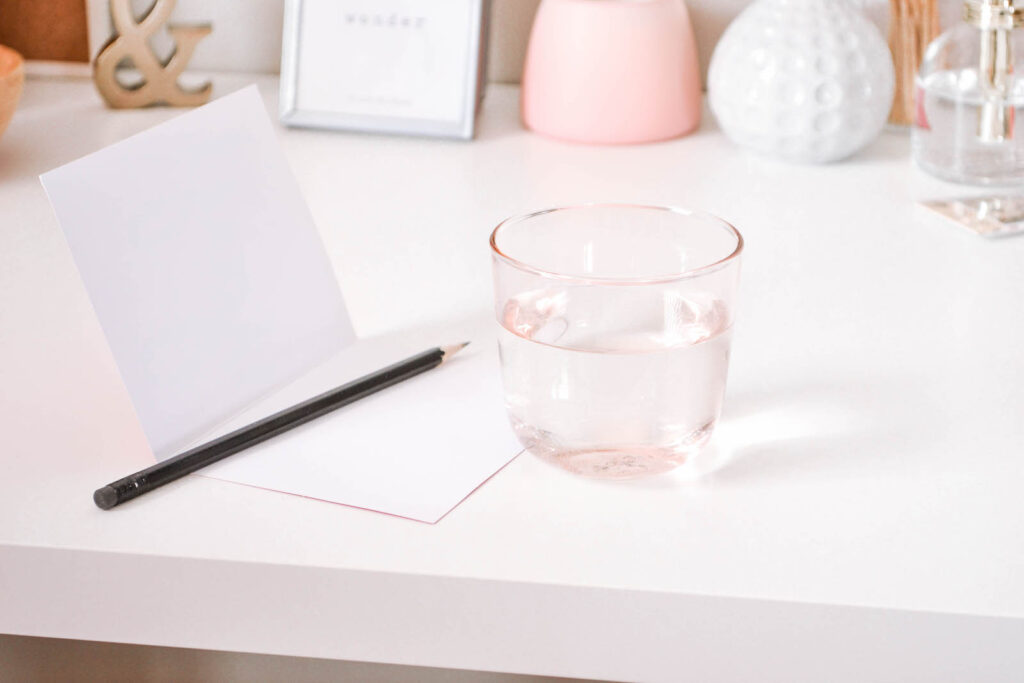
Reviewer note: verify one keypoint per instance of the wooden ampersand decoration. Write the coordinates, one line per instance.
(160, 79)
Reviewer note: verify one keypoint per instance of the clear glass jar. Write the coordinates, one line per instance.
(967, 127)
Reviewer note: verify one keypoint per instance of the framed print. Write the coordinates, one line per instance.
(390, 66)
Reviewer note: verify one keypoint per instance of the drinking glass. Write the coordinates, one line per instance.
(614, 328)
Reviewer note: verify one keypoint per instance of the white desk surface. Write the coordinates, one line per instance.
(865, 521)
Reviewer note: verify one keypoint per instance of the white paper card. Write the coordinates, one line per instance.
(414, 450)
(203, 265)
(220, 306)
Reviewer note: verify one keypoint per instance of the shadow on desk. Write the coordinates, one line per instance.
(29, 660)
(829, 430)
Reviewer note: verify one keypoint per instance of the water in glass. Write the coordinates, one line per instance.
(614, 387)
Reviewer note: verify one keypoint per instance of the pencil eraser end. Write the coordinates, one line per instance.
(105, 497)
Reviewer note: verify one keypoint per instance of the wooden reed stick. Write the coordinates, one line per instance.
(912, 25)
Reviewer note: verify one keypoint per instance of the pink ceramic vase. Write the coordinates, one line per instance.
(611, 71)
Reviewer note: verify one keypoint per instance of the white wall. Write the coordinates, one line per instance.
(247, 34)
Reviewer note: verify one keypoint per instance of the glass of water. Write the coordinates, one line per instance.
(614, 324)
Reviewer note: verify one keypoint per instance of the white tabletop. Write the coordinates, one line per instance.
(863, 523)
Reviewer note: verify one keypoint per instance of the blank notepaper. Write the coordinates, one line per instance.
(214, 291)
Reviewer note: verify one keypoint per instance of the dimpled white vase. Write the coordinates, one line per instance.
(804, 80)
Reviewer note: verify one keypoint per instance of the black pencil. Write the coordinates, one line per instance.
(150, 478)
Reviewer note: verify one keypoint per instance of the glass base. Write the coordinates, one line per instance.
(613, 461)
(952, 175)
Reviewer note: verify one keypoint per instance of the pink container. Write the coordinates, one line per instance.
(611, 71)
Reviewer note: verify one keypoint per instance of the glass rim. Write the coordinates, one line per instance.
(657, 279)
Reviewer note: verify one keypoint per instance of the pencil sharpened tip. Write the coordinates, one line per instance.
(105, 498)
(452, 349)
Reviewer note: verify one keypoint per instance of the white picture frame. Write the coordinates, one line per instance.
(411, 67)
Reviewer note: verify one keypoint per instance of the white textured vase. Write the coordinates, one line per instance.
(804, 80)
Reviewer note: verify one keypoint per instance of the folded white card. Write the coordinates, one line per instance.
(203, 265)
(414, 450)
(217, 300)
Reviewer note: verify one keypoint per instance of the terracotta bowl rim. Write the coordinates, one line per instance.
(9, 66)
